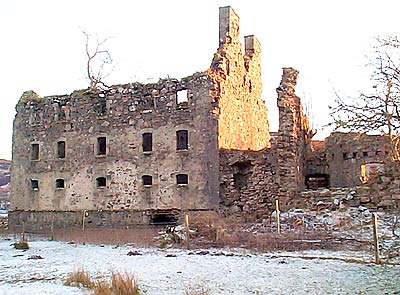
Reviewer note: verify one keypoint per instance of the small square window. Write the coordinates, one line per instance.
(365, 154)
(34, 151)
(345, 156)
(182, 179)
(101, 182)
(182, 96)
(61, 149)
(147, 143)
(147, 180)
(34, 184)
(182, 140)
(101, 146)
(60, 183)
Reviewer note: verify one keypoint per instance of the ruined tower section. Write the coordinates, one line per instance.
(293, 136)
(126, 154)
(242, 115)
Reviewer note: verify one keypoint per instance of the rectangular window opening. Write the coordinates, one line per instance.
(182, 179)
(365, 154)
(147, 143)
(147, 180)
(354, 155)
(60, 183)
(35, 151)
(61, 149)
(182, 97)
(101, 146)
(182, 140)
(34, 184)
(344, 156)
(101, 182)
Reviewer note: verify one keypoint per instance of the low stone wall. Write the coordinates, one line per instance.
(39, 220)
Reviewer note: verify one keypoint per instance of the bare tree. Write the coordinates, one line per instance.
(377, 110)
(98, 59)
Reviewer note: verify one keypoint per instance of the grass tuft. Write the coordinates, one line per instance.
(79, 278)
(121, 283)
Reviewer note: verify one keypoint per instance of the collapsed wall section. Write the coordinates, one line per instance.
(131, 147)
(242, 115)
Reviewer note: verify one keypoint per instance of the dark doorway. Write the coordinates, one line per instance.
(317, 180)
(164, 217)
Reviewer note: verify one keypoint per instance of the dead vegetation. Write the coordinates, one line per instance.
(119, 284)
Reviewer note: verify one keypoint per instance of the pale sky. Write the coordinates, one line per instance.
(42, 46)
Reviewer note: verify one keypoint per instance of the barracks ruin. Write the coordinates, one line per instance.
(145, 153)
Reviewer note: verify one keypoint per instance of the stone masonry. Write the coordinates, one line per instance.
(146, 153)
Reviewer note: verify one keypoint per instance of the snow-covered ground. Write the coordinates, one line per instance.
(242, 273)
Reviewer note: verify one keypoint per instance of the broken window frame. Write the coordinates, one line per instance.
(34, 184)
(147, 142)
(35, 152)
(147, 180)
(60, 183)
(101, 147)
(182, 140)
(61, 149)
(182, 179)
(101, 182)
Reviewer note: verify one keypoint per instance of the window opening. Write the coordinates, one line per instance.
(35, 151)
(60, 183)
(61, 149)
(147, 143)
(345, 156)
(34, 184)
(101, 181)
(182, 179)
(147, 180)
(182, 96)
(182, 141)
(365, 154)
(101, 146)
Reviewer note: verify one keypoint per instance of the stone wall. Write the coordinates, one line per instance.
(121, 115)
(242, 115)
(293, 136)
(248, 182)
(346, 152)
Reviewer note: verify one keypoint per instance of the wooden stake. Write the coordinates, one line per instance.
(187, 230)
(83, 219)
(278, 220)
(52, 230)
(376, 240)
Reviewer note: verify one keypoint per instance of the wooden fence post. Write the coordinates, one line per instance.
(278, 220)
(376, 239)
(187, 230)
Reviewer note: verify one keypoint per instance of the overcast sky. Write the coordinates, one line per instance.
(42, 46)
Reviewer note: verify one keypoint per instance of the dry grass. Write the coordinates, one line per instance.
(80, 278)
(124, 284)
(121, 283)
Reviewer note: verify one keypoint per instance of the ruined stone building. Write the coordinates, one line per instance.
(144, 153)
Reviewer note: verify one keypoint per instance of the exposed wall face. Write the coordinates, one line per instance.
(248, 182)
(293, 136)
(242, 115)
(346, 152)
(107, 174)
